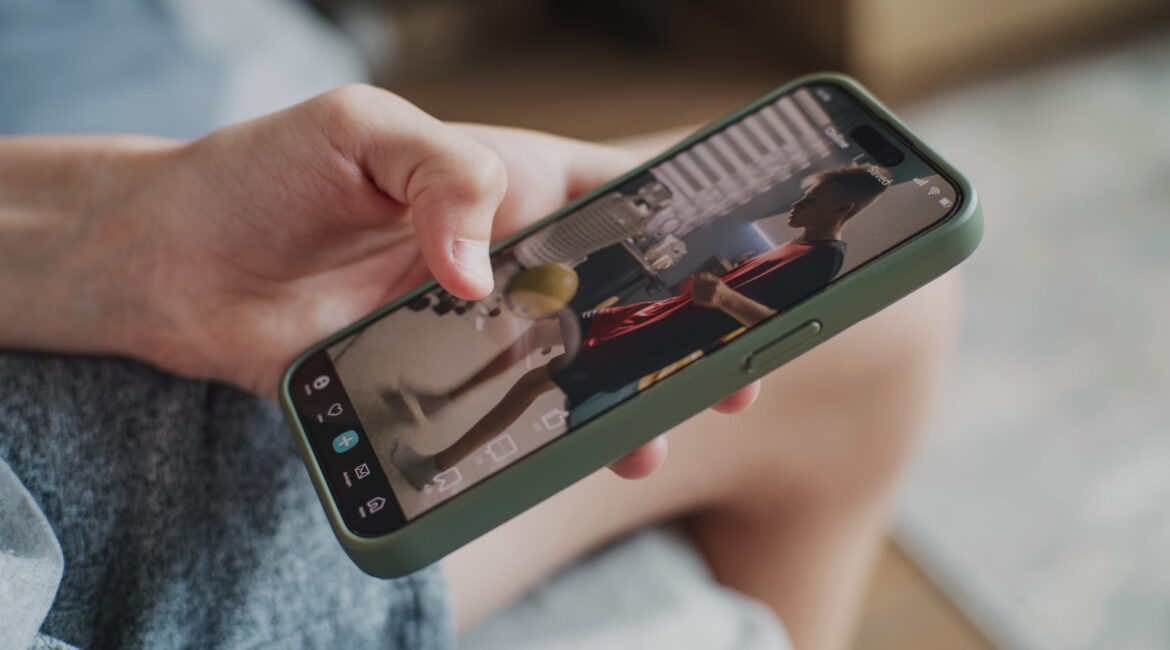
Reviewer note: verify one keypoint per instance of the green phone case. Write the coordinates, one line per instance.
(618, 431)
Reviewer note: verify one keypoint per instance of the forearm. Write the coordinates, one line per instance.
(72, 229)
(743, 309)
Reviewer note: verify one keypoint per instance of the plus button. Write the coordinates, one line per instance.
(345, 441)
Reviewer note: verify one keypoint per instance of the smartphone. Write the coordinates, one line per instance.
(433, 420)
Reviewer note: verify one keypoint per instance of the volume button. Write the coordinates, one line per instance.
(786, 342)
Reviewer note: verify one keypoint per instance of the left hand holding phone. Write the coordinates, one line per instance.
(223, 258)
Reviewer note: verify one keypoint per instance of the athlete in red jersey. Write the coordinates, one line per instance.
(658, 333)
(613, 347)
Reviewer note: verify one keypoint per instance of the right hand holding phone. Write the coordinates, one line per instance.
(225, 257)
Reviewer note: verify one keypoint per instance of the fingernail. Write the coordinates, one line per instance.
(472, 256)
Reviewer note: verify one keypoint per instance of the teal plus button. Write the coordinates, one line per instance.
(345, 441)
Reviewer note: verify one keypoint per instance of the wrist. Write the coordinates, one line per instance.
(75, 261)
(723, 299)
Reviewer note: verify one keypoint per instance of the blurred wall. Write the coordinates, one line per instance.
(900, 48)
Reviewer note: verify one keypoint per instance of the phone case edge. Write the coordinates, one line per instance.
(566, 460)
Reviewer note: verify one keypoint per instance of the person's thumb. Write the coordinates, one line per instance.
(453, 197)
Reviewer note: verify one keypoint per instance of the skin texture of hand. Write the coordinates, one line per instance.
(245, 247)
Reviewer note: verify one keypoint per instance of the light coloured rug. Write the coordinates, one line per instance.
(649, 591)
(1041, 500)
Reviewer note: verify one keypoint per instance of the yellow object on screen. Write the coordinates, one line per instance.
(541, 291)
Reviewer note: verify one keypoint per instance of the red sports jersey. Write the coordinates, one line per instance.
(757, 279)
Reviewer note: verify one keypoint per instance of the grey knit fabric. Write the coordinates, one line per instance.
(30, 563)
(185, 519)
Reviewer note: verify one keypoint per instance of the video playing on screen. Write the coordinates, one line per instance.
(601, 304)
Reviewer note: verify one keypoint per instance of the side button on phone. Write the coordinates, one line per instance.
(775, 349)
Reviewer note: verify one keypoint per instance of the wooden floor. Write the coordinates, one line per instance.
(904, 610)
(593, 94)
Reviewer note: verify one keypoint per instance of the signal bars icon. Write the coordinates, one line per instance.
(934, 191)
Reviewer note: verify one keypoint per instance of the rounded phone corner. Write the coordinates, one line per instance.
(427, 536)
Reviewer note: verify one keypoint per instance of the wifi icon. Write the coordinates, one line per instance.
(933, 191)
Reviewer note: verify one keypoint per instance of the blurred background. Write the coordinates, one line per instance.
(1037, 513)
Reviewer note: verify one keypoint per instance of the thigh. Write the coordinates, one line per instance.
(801, 440)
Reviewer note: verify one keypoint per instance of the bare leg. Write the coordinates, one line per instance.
(543, 334)
(533, 384)
(786, 501)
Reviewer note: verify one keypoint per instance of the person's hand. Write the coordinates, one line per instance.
(709, 291)
(260, 239)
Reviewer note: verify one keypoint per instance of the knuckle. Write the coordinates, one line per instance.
(481, 175)
(352, 105)
(490, 175)
(350, 95)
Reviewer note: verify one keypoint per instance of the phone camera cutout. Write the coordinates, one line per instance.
(874, 144)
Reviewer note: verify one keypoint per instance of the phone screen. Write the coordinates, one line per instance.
(599, 305)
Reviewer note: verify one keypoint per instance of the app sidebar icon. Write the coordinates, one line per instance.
(366, 502)
(342, 450)
(345, 441)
